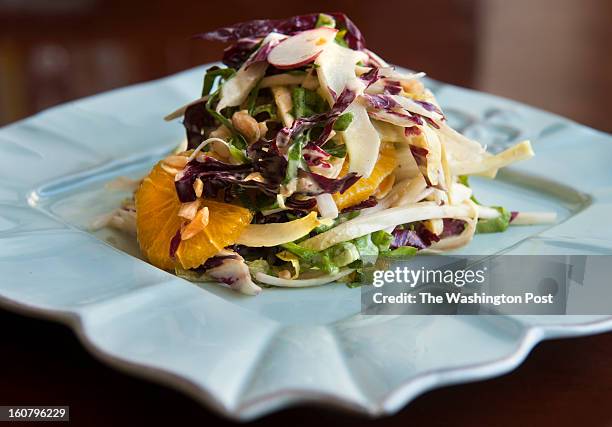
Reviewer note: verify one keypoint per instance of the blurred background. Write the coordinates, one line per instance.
(554, 54)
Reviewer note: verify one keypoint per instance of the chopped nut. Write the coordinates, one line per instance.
(255, 176)
(197, 224)
(246, 125)
(221, 132)
(177, 162)
(284, 274)
(170, 170)
(263, 128)
(189, 210)
(198, 187)
(287, 190)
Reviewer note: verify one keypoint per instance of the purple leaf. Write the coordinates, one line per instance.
(452, 227)
(300, 204)
(419, 154)
(326, 119)
(215, 261)
(262, 27)
(283, 216)
(236, 54)
(368, 203)
(370, 77)
(431, 122)
(392, 87)
(175, 242)
(513, 215)
(381, 102)
(196, 119)
(315, 155)
(429, 107)
(217, 176)
(420, 237)
(262, 53)
(268, 161)
(337, 185)
(412, 131)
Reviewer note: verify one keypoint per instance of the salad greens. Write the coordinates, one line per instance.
(337, 158)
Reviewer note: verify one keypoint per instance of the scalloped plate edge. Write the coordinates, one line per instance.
(282, 399)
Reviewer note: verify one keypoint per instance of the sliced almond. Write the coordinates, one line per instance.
(221, 132)
(178, 162)
(189, 210)
(172, 171)
(284, 274)
(197, 224)
(198, 187)
(263, 128)
(255, 176)
(246, 125)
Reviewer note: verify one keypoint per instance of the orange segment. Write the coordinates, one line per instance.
(157, 221)
(225, 223)
(366, 187)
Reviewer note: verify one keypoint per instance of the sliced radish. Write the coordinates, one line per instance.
(301, 48)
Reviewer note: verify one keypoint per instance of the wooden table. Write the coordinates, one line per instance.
(554, 54)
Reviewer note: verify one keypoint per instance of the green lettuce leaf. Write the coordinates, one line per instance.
(494, 225)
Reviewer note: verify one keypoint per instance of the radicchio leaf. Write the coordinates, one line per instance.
(216, 176)
(419, 154)
(316, 156)
(432, 123)
(513, 215)
(368, 203)
(236, 54)
(429, 107)
(392, 87)
(452, 227)
(262, 53)
(300, 204)
(420, 237)
(215, 261)
(175, 242)
(337, 185)
(353, 37)
(268, 161)
(262, 27)
(412, 131)
(283, 216)
(402, 119)
(370, 77)
(385, 104)
(381, 102)
(326, 119)
(196, 119)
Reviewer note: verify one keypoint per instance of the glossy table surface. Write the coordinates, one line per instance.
(555, 57)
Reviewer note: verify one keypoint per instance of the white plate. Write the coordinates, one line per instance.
(245, 356)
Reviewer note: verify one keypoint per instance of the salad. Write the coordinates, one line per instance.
(306, 157)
